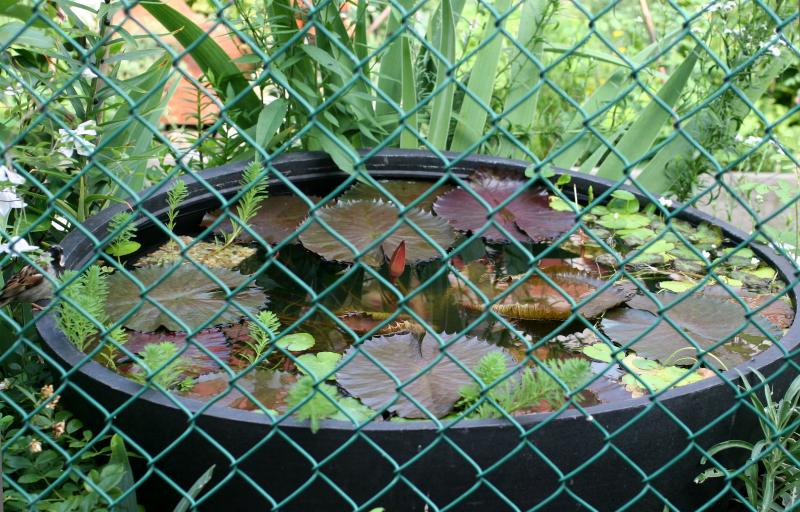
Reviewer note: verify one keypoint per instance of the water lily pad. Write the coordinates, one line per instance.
(527, 218)
(535, 299)
(296, 342)
(187, 294)
(274, 222)
(362, 223)
(430, 381)
(626, 221)
(208, 254)
(649, 374)
(268, 387)
(198, 360)
(705, 320)
(318, 365)
(404, 191)
(777, 311)
(677, 286)
(599, 352)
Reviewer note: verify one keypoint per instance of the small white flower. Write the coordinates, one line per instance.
(775, 51)
(9, 176)
(752, 140)
(8, 200)
(706, 255)
(88, 73)
(10, 91)
(738, 138)
(71, 141)
(17, 245)
(616, 215)
(665, 202)
(754, 261)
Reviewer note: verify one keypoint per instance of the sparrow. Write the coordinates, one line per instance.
(29, 285)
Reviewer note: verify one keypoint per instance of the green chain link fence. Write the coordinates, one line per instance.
(667, 100)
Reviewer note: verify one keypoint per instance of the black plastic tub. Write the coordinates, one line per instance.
(634, 454)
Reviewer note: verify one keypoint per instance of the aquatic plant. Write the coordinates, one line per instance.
(125, 230)
(158, 364)
(185, 294)
(255, 191)
(530, 390)
(175, 198)
(82, 315)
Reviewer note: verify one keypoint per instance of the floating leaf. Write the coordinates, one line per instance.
(296, 342)
(198, 360)
(363, 222)
(677, 286)
(648, 373)
(318, 365)
(208, 254)
(527, 218)
(187, 294)
(778, 312)
(275, 221)
(407, 359)
(705, 320)
(535, 299)
(356, 411)
(268, 387)
(624, 221)
(598, 352)
(404, 191)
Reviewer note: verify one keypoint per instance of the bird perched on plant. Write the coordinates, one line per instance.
(29, 285)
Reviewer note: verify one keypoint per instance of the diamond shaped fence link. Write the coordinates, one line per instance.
(88, 87)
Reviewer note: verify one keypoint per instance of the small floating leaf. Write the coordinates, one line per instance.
(432, 381)
(677, 286)
(208, 254)
(526, 218)
(296, 342)
(362, 223)
(598, 352)
(187, 293)
(318, 365)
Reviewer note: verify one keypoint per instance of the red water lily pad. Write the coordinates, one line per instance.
(275, 221)
(705, 320)
(527, 218)
(533, 298)
(432, 382)
(268, 387)
(404, 191)
(198, 360)
(362, 223)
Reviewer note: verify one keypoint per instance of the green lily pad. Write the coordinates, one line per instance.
(357, 412)
(296, 342)
(362, 223)
(623, 202)
(677, 286)
(599, 352)
(186, 294)
(318, 365)
(617, 221)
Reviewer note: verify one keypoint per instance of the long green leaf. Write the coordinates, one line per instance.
(269, 122)
(20, 11)
(520, 103)
(194, 491)
(407, 138)
(390, 75)
(119, 455)
(655, 177)
(472, 116)
(641, 134)
(604, 94)
(442, 107)
(213, 61)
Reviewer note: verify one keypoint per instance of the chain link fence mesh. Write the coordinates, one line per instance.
(107, 106)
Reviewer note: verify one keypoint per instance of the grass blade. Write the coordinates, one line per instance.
(390, 75)
(521, 103)
(184, 504)
(119, 455)
(213, 61)
(442, 107)
(472, 116)
(655, 178)
(640, 135)
(408, 139)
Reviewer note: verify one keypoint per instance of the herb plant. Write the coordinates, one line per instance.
(527, 390)
(255, 187)
(82, 315)
(770, 474)
(175, 197)
(263, 334)
(125, 230)
(159, 365)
